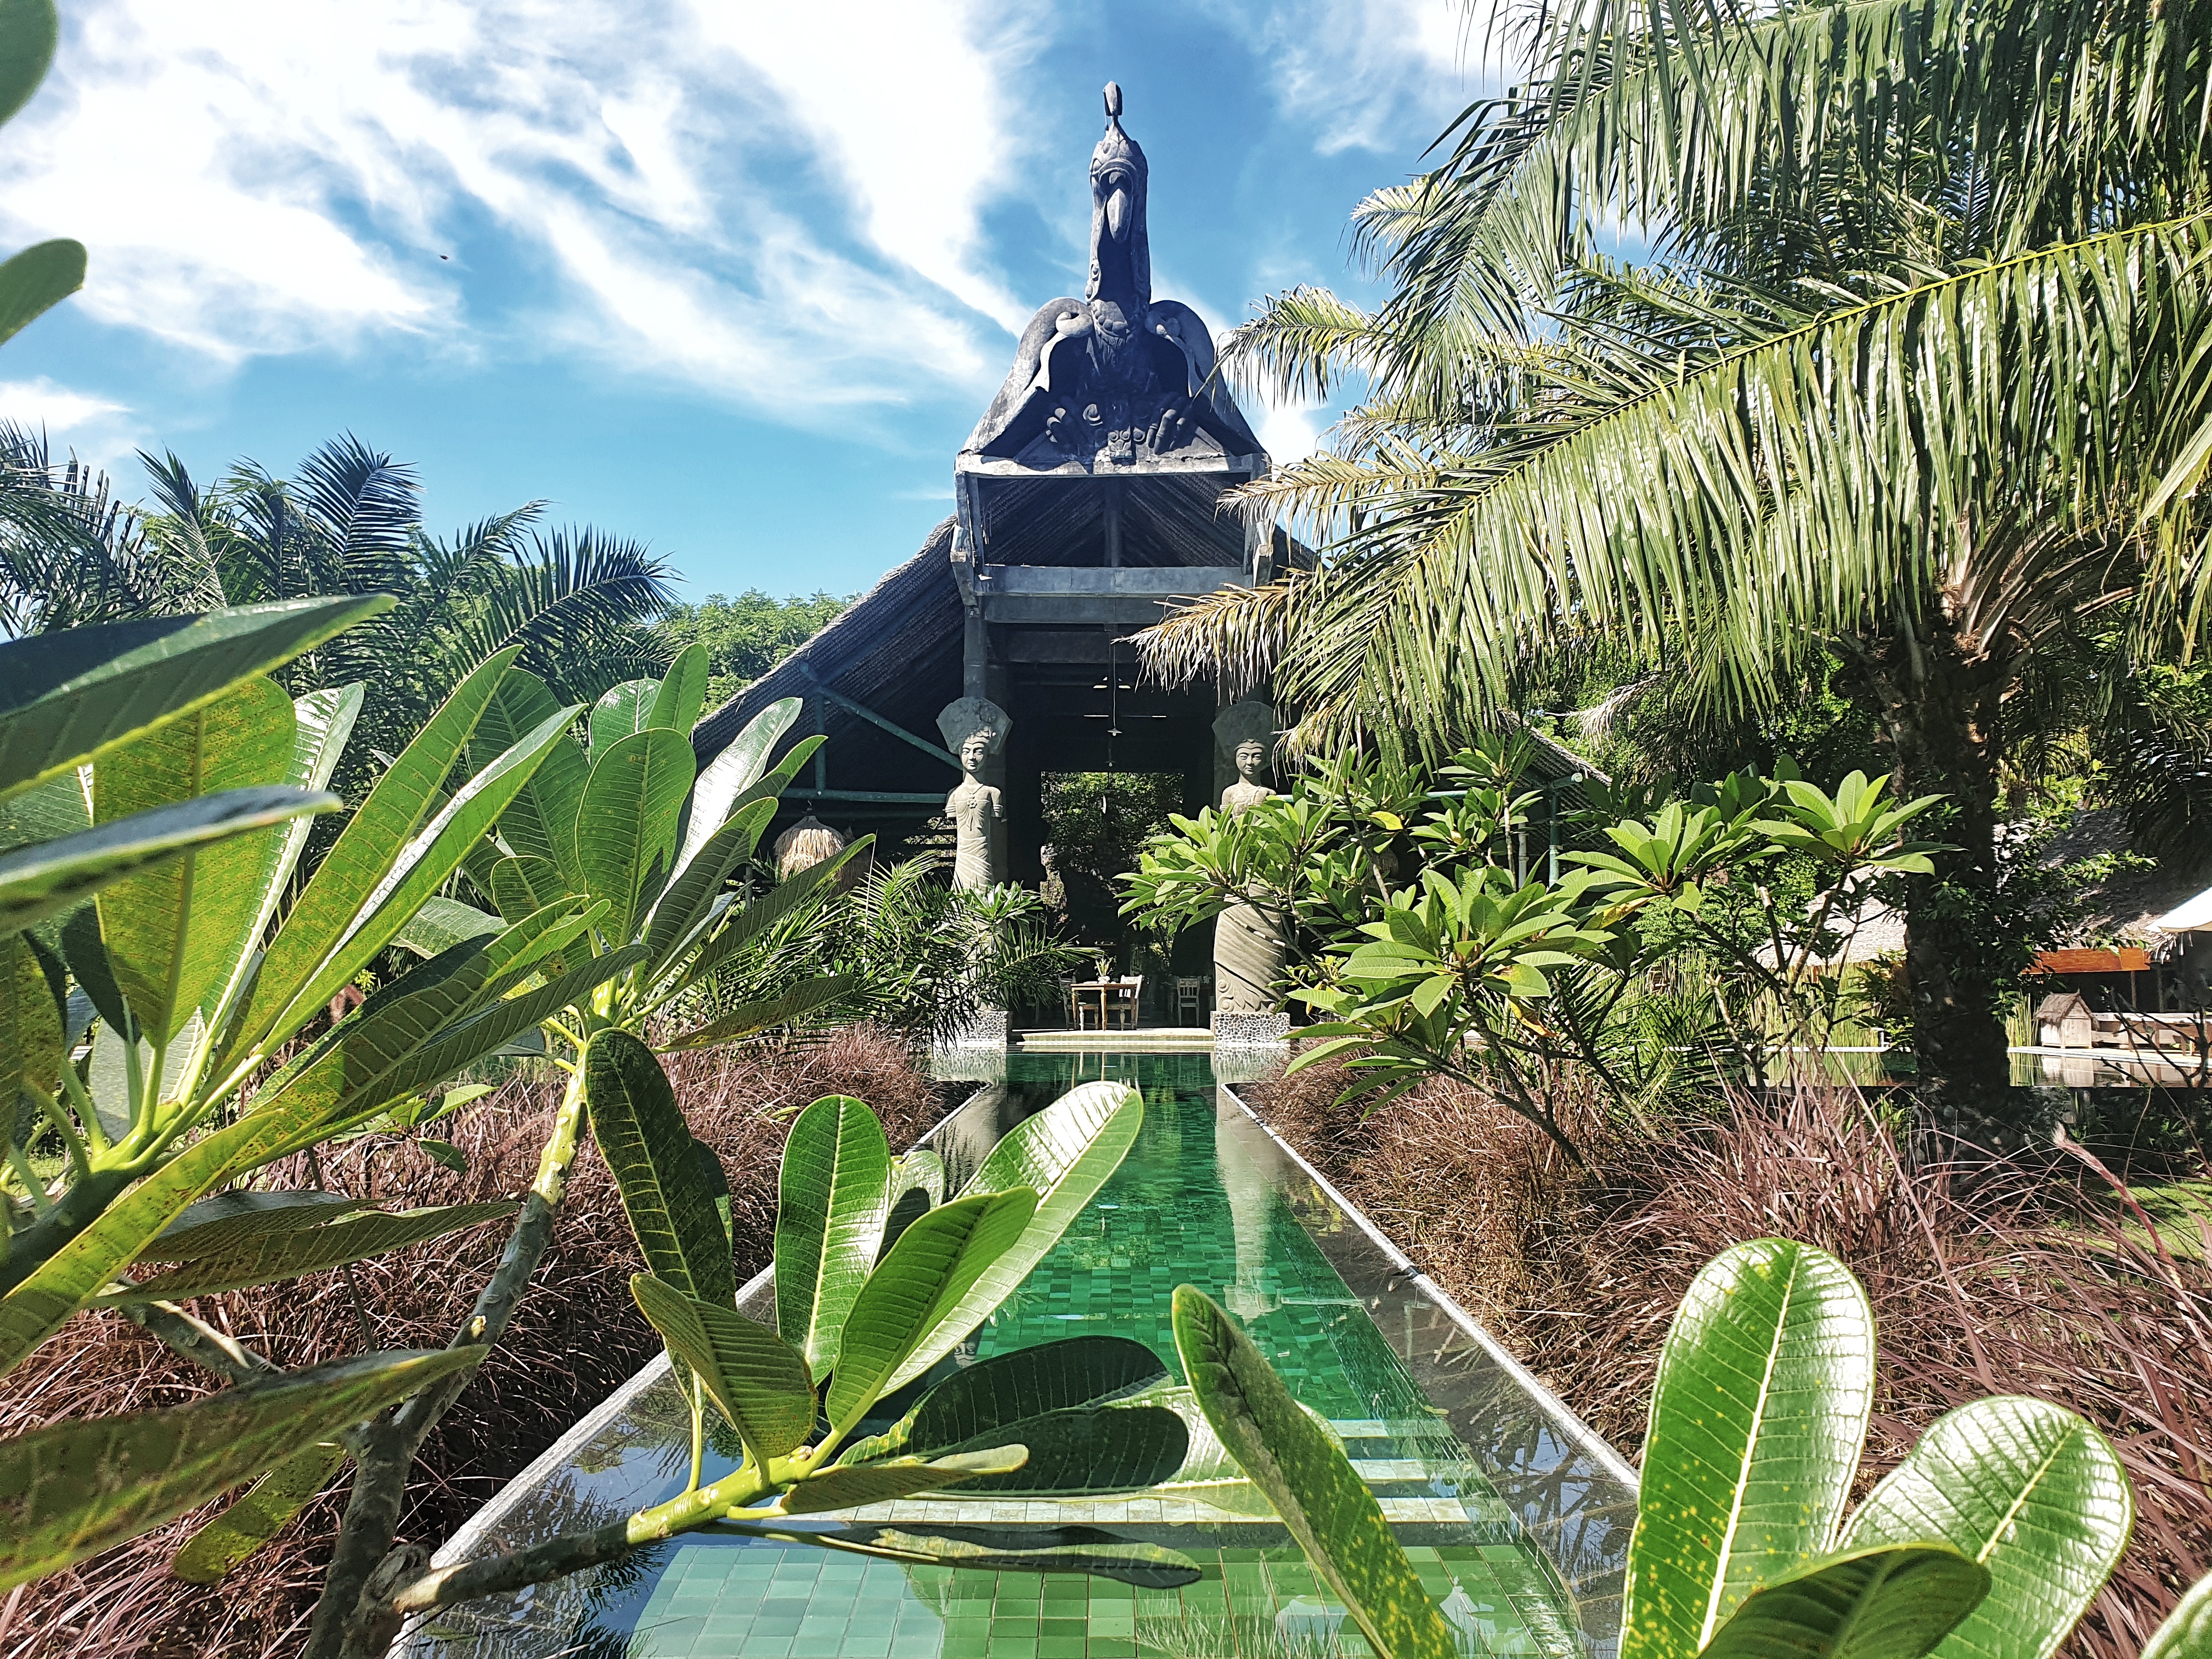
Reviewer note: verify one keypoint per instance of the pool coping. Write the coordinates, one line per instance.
(1587, 1438)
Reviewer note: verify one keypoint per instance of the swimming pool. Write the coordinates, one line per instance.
(1514, 1517)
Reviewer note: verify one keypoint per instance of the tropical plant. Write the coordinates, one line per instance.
(1991, 1537)
(879, 1274)
(160, 1030)
(914, 952)
(1909, 376)
(1410, 926)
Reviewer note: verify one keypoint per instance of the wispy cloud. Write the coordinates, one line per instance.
(94, 428)
(779, 204)
(1365, 72)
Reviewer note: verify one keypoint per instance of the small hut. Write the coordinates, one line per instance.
(2063, 1021)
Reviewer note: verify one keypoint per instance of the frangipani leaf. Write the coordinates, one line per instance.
(731, 772)
(362, 855)
(257, 1514)
(1071, 1549)
(647, 1145)
(69, 697)
(540, 822)
(75, 1489)
(758, 1379)
(683, 691)
(1758, 1417)
(1889, 1601)
(214, 1226)
(47, 877)
(272, 1257)
(1324, 1502)
(2187, 1632)
(1067, 1151)
(751, 1019)
(1087, 1450)
(979, 1400)
(830, 1203)
(2031, 1492)
(846, 1487)
(910, 1299)
(621, 712)
(626, 826)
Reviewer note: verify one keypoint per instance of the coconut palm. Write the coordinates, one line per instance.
(1911, 370)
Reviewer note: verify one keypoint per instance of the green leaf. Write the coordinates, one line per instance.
(847, 1487)
(2031, 1492)
(1087, 1450)
(273, 1257)
(1011, 1388)
(690, 898)
(28, 29)
(423, 865)
(751, 1019)
(683, 690)
(626, 827)
(48, 877)
(780, 900)
(1756, 1420)
(1067, 1152)
(912, 1297)
(758, 1379)
(648, 1146)
(444, 1154)
(1327, 1506)
(1077, 1549)
(363, 853)
(523, 886)
(69, 697)
(75, 1489)
(2187, 1632)
(31, 1048)
(919, 1171)
(622, 711)
(257, 1514)
(832, 1195)
(1892, 1602)
(174, 932)
(214, 1226)
(323, 722)
(36, 280)
(732, 772)
(541, 821)
(442, 923)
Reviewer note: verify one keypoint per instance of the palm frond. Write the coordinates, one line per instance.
(1873, 462)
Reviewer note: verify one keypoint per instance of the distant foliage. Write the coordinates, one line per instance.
(747, 636)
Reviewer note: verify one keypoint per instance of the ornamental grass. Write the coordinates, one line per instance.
(577, 1336)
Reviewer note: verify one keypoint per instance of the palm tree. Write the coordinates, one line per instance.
(1912, 371)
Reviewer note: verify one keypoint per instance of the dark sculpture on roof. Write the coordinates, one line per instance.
(1115, 378)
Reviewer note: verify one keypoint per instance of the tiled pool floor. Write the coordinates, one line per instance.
(1186, 1208)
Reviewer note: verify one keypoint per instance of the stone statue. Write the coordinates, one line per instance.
(1247, 957)
(1247, 791)
(973, 807)
(1115, 376)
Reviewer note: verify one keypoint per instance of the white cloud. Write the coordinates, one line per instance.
(267, 176)
(93, 429)
(1370, 74)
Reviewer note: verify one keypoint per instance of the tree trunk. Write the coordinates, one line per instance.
(1939, 706)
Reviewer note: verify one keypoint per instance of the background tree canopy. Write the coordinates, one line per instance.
(747, 636)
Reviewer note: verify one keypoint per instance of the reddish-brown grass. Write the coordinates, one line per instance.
(2013, 1277)
(578, 1335)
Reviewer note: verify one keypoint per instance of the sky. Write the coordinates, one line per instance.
(732, 277)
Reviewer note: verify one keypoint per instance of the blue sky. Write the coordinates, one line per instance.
(732, 277)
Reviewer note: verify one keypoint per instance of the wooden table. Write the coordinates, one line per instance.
(1104, 990)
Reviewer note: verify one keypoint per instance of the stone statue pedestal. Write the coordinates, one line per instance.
(1232, 1029)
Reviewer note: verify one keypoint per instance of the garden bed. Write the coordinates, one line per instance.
(577, 1337)
(2010, 1277)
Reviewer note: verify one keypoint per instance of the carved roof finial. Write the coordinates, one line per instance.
(1113, 100)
